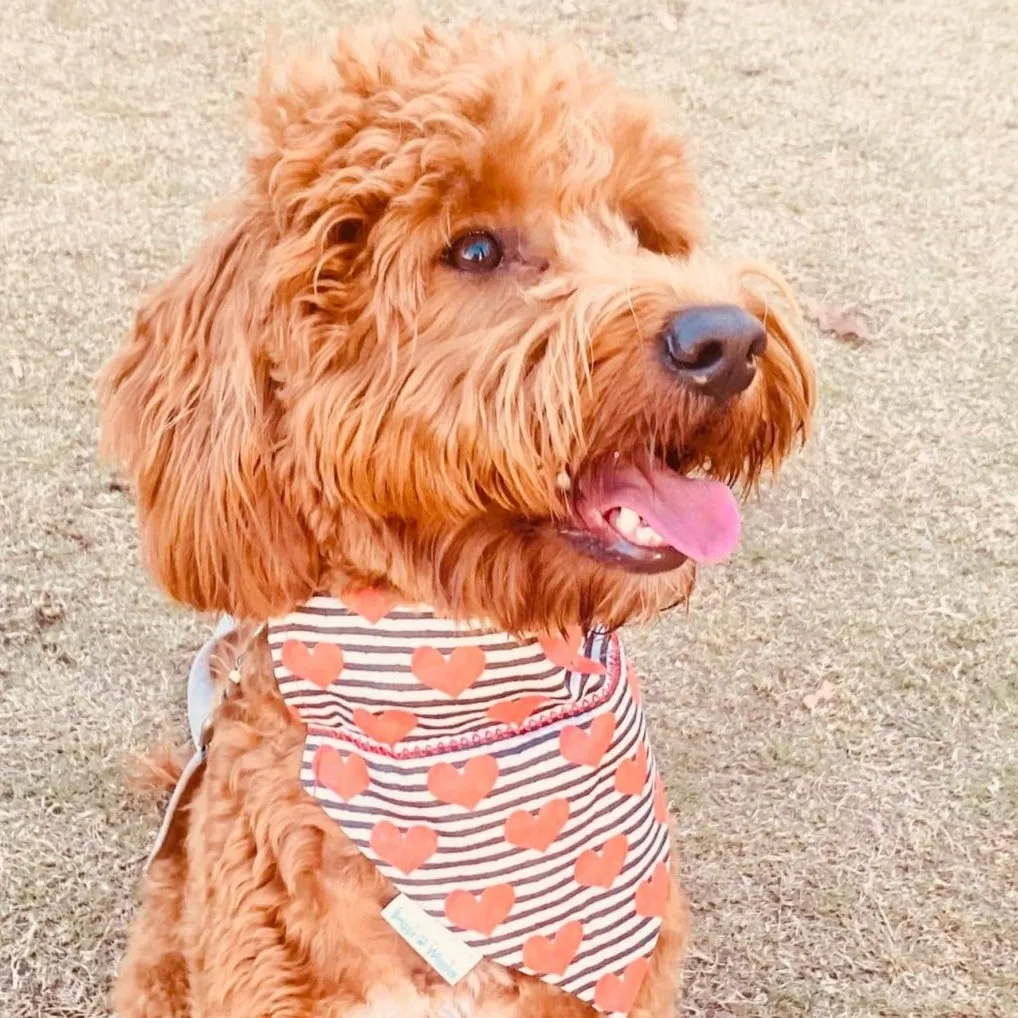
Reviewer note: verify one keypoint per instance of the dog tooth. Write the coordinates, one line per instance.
(564, 481)
(648, 537)
(627, 521)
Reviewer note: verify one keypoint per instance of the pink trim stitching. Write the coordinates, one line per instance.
(495, 734)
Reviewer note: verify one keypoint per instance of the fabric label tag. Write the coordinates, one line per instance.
(444, 952)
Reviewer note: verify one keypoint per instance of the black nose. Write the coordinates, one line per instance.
(713, 349)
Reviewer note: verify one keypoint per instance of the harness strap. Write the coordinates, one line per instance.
(202, 702)
(201, 690)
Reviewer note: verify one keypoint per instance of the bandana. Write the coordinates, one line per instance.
(504, 786)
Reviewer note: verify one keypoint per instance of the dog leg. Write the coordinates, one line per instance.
(657, 995)
(153, 980)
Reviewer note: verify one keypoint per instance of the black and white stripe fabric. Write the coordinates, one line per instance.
(506, 786)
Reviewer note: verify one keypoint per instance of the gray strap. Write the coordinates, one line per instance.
(201, 690)
(201, 703)
(193, 766)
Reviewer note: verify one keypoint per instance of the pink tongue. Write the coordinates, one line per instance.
(700, 518)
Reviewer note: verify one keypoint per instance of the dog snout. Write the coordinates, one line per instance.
(713, 349)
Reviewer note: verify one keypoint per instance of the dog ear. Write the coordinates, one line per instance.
(193, 403)
(189, 412)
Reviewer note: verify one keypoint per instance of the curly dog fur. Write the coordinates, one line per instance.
(317, 401)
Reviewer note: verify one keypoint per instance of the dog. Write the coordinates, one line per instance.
(455, 377)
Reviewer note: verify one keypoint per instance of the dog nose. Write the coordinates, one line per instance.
(713, 349)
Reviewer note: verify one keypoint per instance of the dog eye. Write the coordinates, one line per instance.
(652, 239)
(475, 252)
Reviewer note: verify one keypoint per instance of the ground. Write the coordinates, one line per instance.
(848, 855)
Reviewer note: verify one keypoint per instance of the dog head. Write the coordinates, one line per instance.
(458, 335)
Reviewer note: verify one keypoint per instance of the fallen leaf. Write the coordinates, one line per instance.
(847, 324)
(826, 692)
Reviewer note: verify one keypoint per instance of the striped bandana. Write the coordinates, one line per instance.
(506, 787)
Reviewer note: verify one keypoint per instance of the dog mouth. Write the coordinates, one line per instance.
(652, 521)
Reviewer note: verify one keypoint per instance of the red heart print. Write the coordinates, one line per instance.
(545, 955)
(632, 774)
(464, 789)
(322, 666)
(564, 651)
(388, 727)
(614, 994)
(346, 776)
(524, 830)
(516, 711)
(406, 851)
(482, 914)
(600, 869)
(579, 747)
(652, 894)
(660, 802)
(370, 603)
(452, 675)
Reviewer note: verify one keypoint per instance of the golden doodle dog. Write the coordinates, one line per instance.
(453, 393)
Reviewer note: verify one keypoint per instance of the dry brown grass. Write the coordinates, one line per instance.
(853, 860)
